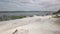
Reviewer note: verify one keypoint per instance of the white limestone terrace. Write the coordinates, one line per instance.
(30, 25)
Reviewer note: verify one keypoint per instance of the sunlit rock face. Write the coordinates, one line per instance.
(31, 25)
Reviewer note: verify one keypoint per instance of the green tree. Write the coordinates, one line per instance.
(56, 13)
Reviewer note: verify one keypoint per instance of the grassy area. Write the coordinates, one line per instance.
(56, 16)
(16, 17)
(4, 18)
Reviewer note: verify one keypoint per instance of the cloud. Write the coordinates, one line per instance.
(29, 5)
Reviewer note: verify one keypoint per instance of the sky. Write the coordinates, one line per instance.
(29, 5)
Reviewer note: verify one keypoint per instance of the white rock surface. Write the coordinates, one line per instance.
(30, 25)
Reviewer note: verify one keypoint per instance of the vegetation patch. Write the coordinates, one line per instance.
(57, 14)
(4, 17)
(16, 17)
